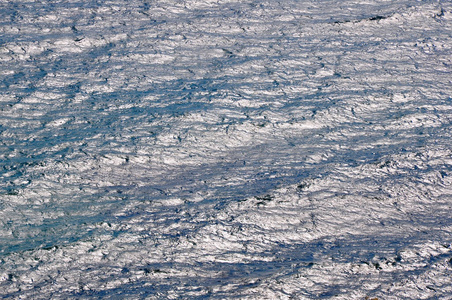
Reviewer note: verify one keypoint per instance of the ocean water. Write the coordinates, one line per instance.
(225, 149)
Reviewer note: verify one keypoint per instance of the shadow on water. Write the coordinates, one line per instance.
(298, 263)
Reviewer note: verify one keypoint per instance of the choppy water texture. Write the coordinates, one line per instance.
(226, 149)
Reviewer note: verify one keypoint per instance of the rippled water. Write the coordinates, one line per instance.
(225, 149)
